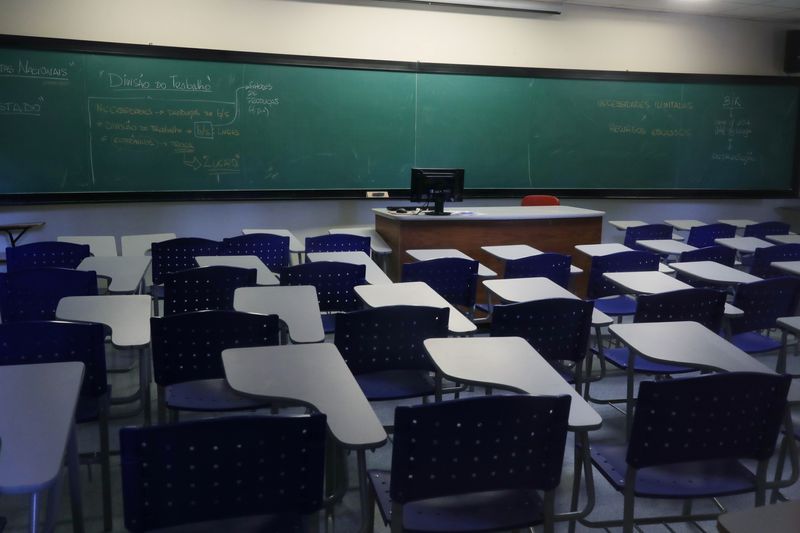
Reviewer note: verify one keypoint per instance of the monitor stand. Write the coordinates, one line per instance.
(438, 206)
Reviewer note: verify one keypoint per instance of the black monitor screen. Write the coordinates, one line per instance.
(438, 185)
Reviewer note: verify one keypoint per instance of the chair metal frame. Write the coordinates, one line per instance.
(187, 358)
(497, 473)
(719, 418)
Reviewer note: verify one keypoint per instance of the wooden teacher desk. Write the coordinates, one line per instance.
(547, 228)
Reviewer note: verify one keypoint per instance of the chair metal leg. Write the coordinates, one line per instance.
(105, 468)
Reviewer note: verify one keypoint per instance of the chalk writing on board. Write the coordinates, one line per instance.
(733, 128)
(138, 82)
(33, 109)
(24, 68)
(647, 115)
(190, 130)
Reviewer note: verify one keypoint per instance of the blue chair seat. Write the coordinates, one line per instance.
(619, 358)
(396, 384)
(720, 477)
(209, 395)
(477, 511)
(617, 305)
(752, 342)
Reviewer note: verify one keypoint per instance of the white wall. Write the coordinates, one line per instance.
(580, 38)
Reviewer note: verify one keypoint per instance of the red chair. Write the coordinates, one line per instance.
(540, 199)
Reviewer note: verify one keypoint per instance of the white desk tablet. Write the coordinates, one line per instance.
(684, 224)
(264, 275)
(517, 290)
(413, 293)
(791, 238)
(746, 245)
(37, 411)
(714, 272)
(792, 267)
(440, 253)
(666, 246)
(740, 223)
(126, 274)
(297, 306)
(374, 274)
(314, 374)
(512, 364)
(622, 225)
(510, 252)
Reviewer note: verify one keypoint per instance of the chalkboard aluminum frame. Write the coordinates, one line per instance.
(196, 54)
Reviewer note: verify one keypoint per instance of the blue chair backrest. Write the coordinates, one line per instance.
(632, 261)
(763, 302)
(706, 306)
(549, 265)
(720, 254)
(211, 287)
(334, 282)
(178, 254)
(704, 236)
(273, 250)
(455, 279)
(646, 232)
(188, 346)
(24, 343)
(34, 294)
(389, 338)
(762, 229)
(764, 256)
(46, 254)
(221, 468)
(498, 442)
(718, 416)
(338, 242)
(558, 328)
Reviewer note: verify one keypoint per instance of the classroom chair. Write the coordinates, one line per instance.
(253, 473)
(762, 229)
(99, 245)
(338, 242)
(557, 328)
(687, 439)
(607, 295)
(763, 302)
(176, 254)
(706, 306)
(763, 257)
(646, 232)
(555, 267)
(33, 294)
(46, 254)
(384, 351)
(454, 278)
(187, 358)
(334, 283)
(59, 341)
(704, 236)
(273, 250)
(211, 287)
(476, 464)
(540, 199)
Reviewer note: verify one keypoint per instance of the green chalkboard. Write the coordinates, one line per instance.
(82, 121)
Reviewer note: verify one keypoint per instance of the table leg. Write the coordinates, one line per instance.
(34, 513)
(363, 489)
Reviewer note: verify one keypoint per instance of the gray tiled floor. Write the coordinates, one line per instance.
(609, 503)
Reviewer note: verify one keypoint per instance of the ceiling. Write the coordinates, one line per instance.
(764, 10)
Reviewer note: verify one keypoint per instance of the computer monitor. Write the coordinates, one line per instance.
(439, 185)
